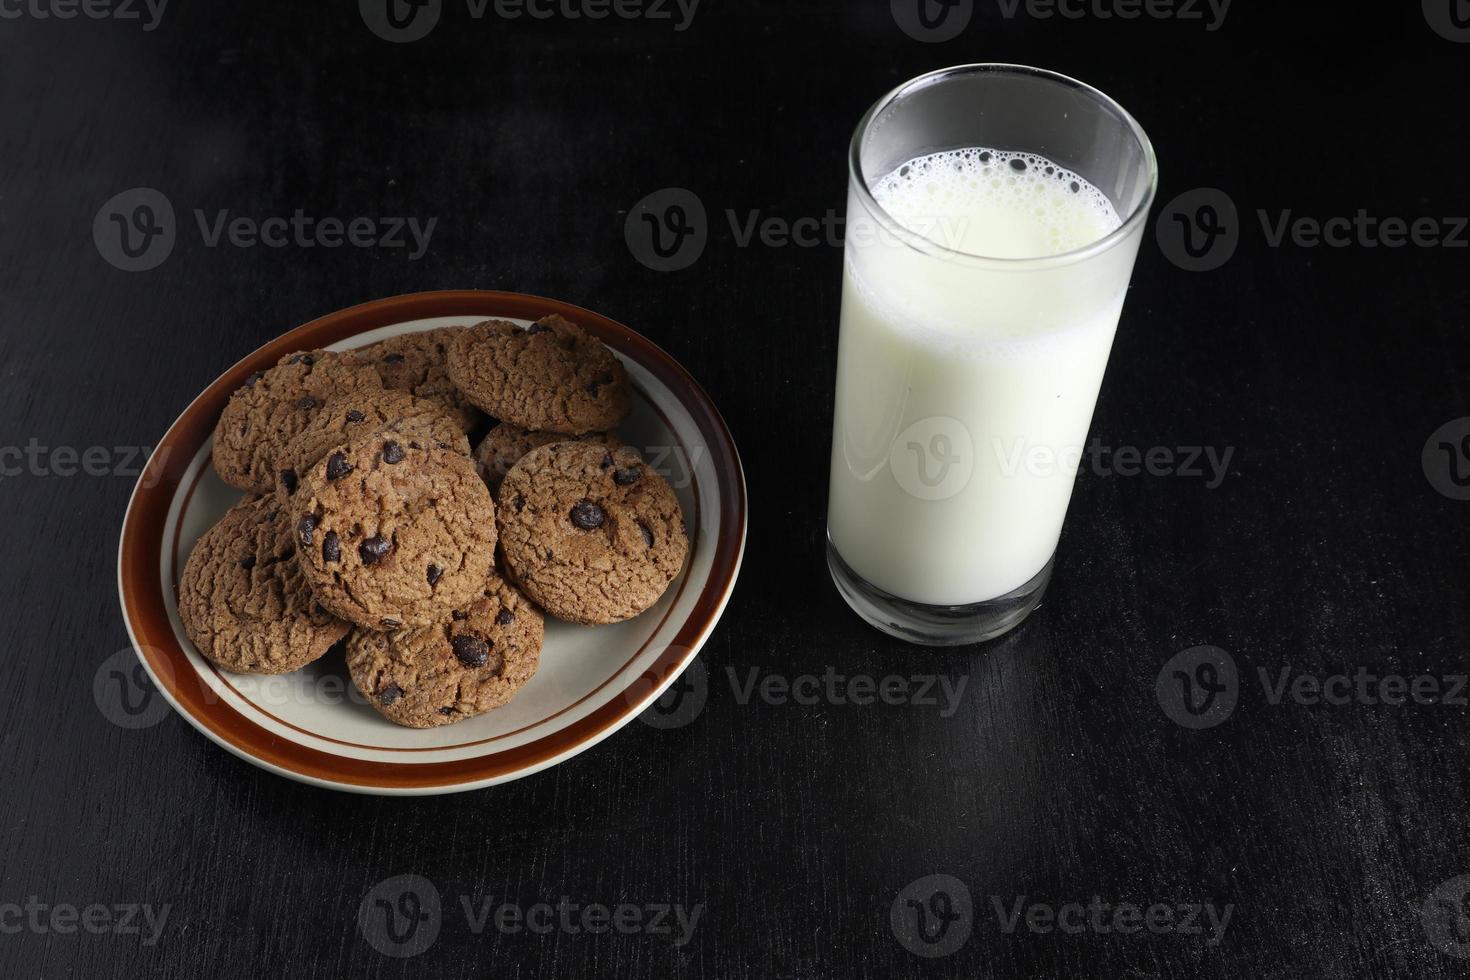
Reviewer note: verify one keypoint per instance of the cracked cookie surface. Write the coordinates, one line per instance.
(243, 599)
(415, 363)
(552, 375)
(273, 406)
(349, 416)
(591, 535)
(392, 531)
(472, 661)
(505, 444)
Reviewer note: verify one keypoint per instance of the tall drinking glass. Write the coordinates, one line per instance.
(993, 216)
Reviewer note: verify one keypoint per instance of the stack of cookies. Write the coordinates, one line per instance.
(369, 523)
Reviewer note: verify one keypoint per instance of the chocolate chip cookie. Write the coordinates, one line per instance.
(474, 660)
(243, 599)
(393, 531)
(505, 444)
(273, 406)
(591, 535)
(346, 417)
(551, 375)
(414, 362)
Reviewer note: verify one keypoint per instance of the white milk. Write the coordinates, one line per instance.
(965, 386)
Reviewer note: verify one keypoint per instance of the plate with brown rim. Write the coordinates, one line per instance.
(313, 726)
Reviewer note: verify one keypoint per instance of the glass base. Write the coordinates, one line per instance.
(937, 626)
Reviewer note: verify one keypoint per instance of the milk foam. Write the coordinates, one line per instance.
(996, 203)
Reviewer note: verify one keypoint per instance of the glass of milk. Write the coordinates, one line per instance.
(993, 216)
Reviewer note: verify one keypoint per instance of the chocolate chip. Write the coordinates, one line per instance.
(520, 503)
(374, 548)
(435, 574)
(471, 650)
(588, 516)
(289, 481)
(388, 622)
(305, 402)
(319, 609)
(457, 615)
(647, 534)
(250, 381)
(248, 562)
(607, 461)
(354, 415)
(306, 359)
(505, 617)
(392, 358)
(446, 711)
(536, 328)
(337, 466)
(627, 476)
(331, 547)
(306, 529)
(392, 453)
(598, 383)
(389, 694)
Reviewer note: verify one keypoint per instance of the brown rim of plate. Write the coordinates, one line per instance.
(144, 527)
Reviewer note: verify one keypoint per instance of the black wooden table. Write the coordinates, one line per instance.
(1059, 813)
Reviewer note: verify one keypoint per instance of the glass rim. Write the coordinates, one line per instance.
(910, 237)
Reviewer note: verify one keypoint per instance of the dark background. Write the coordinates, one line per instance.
(1060, 777)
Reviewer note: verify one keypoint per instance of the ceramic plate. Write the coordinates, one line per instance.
(312, 725)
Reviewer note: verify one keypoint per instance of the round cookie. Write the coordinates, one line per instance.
(474, 660)
(394, 532)
(505, 444)
(243, 600)
(343, 418)
(414, 362)
(273, 406)
(591, 535)
(551, 376)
